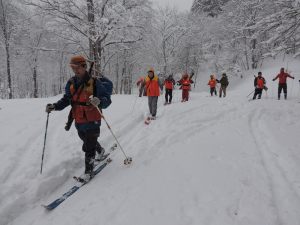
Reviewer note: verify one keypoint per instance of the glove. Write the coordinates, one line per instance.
(94, 101)
(50, 108)
(293, 78)
(273, 80)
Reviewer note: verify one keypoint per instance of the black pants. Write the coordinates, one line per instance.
(258, 92)
(213, 90)
(169, 93)
(284, 88)
(90, 146)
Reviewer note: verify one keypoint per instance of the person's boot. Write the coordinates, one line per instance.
(99, 152)
(89, 169)
(285, 96)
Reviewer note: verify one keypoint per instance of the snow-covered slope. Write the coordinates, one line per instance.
(209, 161)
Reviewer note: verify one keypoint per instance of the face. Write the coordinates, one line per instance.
(282, 70)
(79, 70)
(150, 74)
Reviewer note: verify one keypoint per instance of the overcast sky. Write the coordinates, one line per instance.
(179, 4)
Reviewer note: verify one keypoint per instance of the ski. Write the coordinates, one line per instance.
(98, 168)
(75, 188)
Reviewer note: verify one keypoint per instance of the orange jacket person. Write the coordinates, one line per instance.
(212, 83)
(185, 83)
(152, 85)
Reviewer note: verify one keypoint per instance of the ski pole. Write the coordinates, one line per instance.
(44, 143)
(133, 107)
(250, 93)
(128, 160)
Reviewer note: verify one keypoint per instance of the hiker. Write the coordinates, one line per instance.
(185, 83)
(141, 85)
(153, 86)
(169, 86)
(212, 84)
(282, 85)
(224, 84)
(84, 93)
(259, 84)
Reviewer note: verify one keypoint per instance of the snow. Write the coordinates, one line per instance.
(208, 161)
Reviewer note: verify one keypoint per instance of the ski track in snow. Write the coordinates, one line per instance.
(206, 161)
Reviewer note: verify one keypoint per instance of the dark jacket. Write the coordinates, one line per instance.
(224, 81)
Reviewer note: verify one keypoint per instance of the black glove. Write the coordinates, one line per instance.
(50, 108)
(293, 78)
(273, 80)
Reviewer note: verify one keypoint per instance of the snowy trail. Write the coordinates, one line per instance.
(208, 161)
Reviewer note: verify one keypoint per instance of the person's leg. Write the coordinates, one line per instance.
(166, 95)
(220, 92)
(279, 90)
(285, 90)
(215, 90)
(211, 91)
(255, 94)
(260, 93)
(154, 106)
(89, 146)
(171, 95)
(224, 91)
(150, 102)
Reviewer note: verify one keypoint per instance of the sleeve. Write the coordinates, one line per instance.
(289, 75)
(255, 82)
(276, 77)
(65, 100)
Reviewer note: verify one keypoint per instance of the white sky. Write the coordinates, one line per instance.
(181, 5)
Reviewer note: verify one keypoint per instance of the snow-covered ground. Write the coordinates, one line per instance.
(208, 161)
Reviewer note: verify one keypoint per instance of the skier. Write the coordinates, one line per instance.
(259, 84)
(212, 83)
(185, 83)
(79, 93)
(152, 84)
(282, 82)
(141, 84)
(169, 86)
(224, 84)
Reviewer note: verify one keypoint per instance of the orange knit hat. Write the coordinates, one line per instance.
(78, 60)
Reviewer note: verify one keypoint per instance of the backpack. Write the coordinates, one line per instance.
(107, 89)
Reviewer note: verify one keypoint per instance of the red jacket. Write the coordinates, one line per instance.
(212, 83)
(186, 83)
(282, 77)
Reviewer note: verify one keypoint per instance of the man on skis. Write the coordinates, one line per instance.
(185, 83)
(169, 86)
(212, 84)
(282, 82)
(224, 84)
(153, 86)
(84, 93)
(259, 84)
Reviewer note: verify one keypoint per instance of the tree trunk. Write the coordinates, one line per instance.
(7, 49)
(35, 85)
